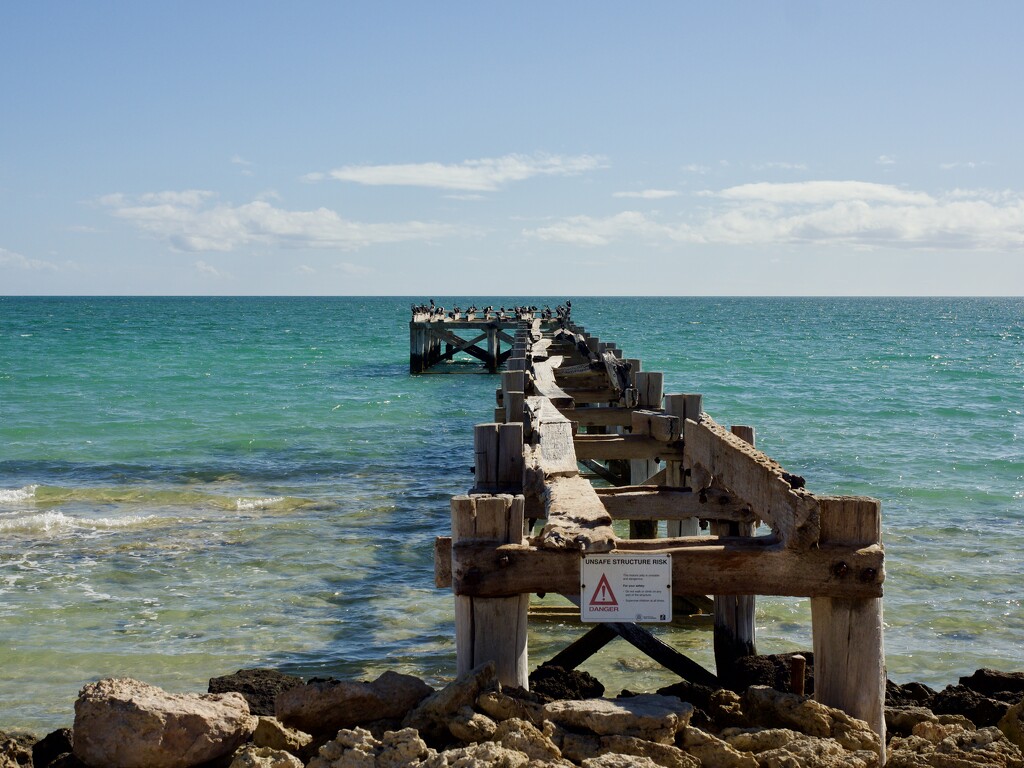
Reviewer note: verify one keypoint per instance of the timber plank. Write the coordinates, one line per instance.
(791, 512)
(658, 502)
(576, 518)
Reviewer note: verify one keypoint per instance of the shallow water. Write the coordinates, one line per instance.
(191, 486)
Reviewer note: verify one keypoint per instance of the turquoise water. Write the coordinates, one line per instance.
(189, 486)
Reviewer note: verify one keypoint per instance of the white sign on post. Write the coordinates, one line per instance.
(634, 587)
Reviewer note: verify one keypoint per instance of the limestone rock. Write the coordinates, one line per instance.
(252, 756)
(648, 716)
(982, 747)
(326, 706)
(501, 706)
(713, 751)
(785, 747)
(357, 748)
(125, 723)
(612, 760)
(15, 750)
(900, 721)
(978, 708)
(271, 732)
(431, 716)
(260, 687)
(469, 726)
(1012, 724)
(665, 755)
(774, 709)
(524, 737)
(486, 754)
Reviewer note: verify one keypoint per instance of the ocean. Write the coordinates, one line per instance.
(190, 486)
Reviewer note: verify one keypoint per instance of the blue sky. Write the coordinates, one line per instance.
(569, 148)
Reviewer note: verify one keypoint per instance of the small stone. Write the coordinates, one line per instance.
(271, 732)
(252, 756)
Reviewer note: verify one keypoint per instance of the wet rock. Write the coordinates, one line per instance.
(273, 734)
(260, 687)
(431, 715)
(252, 756)
(996, 685)
(909, 695)
(16, 749)
(326, 706)
(358, 748)
(770, 670)
(557, 684)
(1012, 724)
(50, 747)
(648, 716)
(982, 747)
(125, 723)
(774, 709)
(960, 700)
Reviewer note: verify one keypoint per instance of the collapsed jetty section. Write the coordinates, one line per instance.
(572, 408)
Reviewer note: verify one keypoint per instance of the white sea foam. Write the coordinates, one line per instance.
(248, 505)
(53, 522)
(14, 495)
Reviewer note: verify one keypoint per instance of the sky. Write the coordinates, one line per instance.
(530, 148)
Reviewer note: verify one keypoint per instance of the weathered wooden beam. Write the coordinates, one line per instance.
(553, 454)
(625, 447)
(659, 502)
(601, 417)
(792, 512)
(576, 518)
(739, 566)
(660, 426)
(544, 383)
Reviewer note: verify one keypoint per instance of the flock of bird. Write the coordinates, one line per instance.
(435, 312)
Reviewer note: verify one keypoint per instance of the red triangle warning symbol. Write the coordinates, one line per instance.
(603, 595)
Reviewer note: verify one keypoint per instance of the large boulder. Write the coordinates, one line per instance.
(995, 684)
(432, 715)
(327, 706)
(952, 746)
(648, 716)
(1012, 724)
(770, 708)
(125, 723)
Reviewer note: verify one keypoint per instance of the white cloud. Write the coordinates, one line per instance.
(190, 224)
(18, 261)
(648, 194)
(969, 164)
(695, 168)
(483, 175)
(208, 269)
(353, 270)
(780, 167)
(861, 214)
(886, 160)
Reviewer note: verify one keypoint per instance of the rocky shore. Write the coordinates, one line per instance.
(265, 719)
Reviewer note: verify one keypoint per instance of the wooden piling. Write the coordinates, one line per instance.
(849, 658)
(490, 628)
(685, 406)
(734, 614)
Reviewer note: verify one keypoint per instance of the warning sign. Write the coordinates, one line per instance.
(626, 587)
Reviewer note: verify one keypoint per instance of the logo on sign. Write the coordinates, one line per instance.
(603, 595)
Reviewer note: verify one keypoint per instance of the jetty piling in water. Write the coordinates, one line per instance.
(568, 400)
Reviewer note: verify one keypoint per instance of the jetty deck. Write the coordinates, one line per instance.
(572, 409)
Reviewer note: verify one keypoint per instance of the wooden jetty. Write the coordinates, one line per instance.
(570, 407)
(436, 335)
